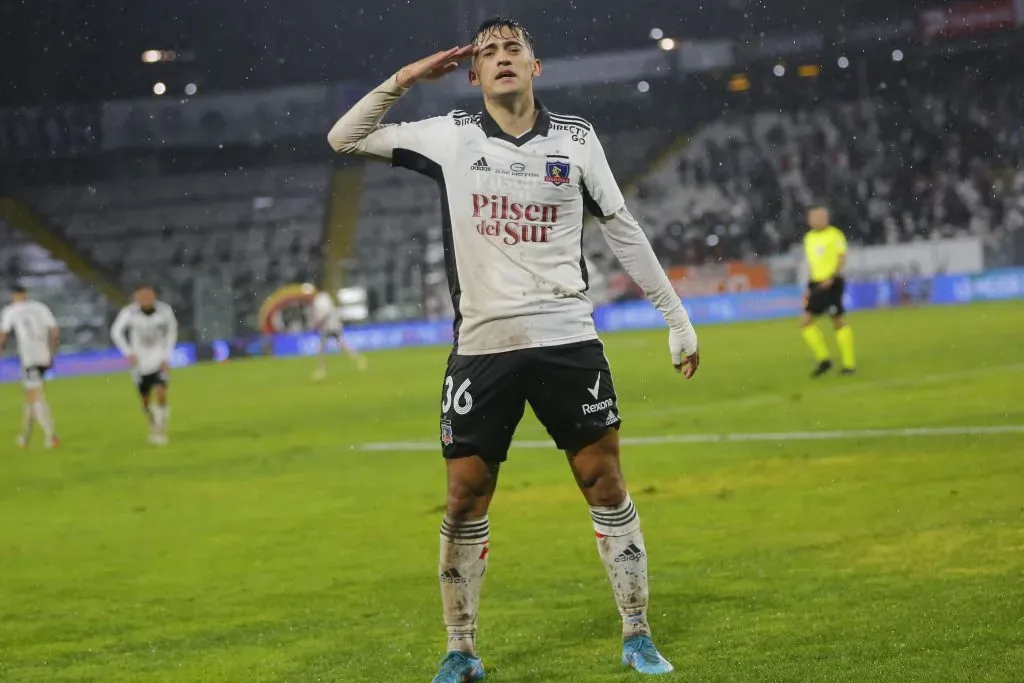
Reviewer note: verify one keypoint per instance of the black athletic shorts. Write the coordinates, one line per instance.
(569, 388)
(145, 383)
(822, 300)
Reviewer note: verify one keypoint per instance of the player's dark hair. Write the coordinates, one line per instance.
(143, 286)
(496, 24)
(18, 288)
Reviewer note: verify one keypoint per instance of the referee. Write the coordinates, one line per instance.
(825, 247)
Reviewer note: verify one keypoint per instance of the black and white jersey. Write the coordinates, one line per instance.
(149, 336)
(512, 218)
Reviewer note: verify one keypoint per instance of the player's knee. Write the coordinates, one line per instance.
(598, 472)
(464, 501)
(467, 498)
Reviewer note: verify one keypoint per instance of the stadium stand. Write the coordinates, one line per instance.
(253, 229)
(900, 164)
(893, 170)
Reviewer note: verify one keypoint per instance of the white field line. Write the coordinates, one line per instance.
(911, 432)
(809, 395)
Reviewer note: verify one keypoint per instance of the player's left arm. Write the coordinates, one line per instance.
(172, 339)
(841, 247)
(6, 325)
(633, 250)
(53, 331)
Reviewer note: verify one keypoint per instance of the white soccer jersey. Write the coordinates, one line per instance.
(150, 337)
(31, 322)
(512, 219)
(325, 314)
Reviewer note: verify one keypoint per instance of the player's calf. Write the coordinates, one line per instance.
(465, 544)
(38, 410)
(620, 543)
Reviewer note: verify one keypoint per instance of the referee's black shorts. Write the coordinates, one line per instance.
(822, 300)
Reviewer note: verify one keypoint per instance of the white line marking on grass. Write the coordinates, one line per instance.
(907, 433)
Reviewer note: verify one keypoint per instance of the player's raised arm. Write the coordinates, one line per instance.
(631, 246)
(359, 131)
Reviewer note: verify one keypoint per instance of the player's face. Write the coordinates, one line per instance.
(145, 298)
(817, 218)
(504, 63)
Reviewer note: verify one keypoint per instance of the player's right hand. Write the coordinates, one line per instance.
(133, 360)
(435, 66)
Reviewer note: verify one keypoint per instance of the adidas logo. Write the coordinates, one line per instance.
(611, 419)
(631, 554)
(481, 165)
(453, 576)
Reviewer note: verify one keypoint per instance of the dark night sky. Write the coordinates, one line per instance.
(61, 50)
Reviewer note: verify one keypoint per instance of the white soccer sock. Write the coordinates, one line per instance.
(464, 548)
(160, 415)
(26, 420)
(43, 416)
(620, 544)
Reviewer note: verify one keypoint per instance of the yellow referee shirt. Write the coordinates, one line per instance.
(823, 249)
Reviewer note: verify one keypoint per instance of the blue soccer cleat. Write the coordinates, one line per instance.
(640, 653)
(459, 667)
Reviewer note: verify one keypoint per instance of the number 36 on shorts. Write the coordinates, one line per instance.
(461, 400)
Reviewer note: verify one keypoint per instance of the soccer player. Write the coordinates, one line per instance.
(514, 181)
(146, 331)
(36, 331)
(825, 247)
(327, 320)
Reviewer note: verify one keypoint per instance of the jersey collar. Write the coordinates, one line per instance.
(540, 126)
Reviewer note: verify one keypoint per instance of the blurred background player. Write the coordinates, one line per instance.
(825, 248)
(146, 332)
(37, 333)
(326, 319)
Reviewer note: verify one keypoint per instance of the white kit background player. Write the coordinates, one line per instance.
(35, 329)
(326, 319)
(514, 180)
(146, 332)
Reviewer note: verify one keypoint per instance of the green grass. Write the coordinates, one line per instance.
(261, 545)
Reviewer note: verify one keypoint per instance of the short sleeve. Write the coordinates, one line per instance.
(48, 317)
(840, 242)
(431, 139)
(601, 194)
(6, 321)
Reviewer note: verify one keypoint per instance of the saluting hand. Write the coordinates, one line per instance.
(435, 66)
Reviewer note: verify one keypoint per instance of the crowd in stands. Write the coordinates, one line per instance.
(893, 169)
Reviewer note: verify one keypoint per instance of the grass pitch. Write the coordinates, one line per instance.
(264, 545)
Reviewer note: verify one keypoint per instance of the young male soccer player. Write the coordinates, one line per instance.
(36, 331)
(514, 180)
(825, 247)
(326, 319)
(146, 331)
